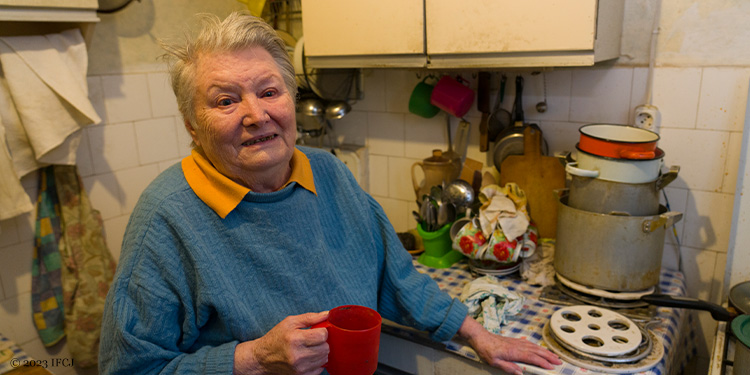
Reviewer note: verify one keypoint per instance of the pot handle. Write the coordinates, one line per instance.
(666, 178)
(573, 169)
(639, 155)
(666, 219)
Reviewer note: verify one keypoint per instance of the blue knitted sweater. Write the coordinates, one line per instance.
(191, 285)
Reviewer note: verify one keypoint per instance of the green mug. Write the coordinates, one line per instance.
(419, 101)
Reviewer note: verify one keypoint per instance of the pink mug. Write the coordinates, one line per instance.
(353, 338)
(452, 96)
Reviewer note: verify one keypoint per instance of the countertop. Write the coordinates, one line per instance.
(412, 351)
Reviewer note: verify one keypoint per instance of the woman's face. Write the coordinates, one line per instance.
(245, 113)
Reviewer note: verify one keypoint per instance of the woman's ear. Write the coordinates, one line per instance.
(191, 130)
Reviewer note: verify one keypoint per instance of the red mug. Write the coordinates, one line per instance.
(452, 96)
(353, 339)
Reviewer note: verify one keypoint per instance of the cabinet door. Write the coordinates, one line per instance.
(363, 27)
(498, 26)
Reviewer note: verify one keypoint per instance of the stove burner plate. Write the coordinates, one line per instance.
(596, 330)
(553, 294)
(644, 364)
(600, 301)
(620, 296)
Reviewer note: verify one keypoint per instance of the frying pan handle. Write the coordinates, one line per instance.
(717, 312)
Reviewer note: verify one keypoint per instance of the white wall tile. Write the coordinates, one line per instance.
(156, 139)
(675, 93)
(560, 136)
(113, 147)
(701, 155)
(717, 287)
(133, 181)
(16, 323)
(374, 91)
(699, 266)
(676, 201)
(8, 232)
(385, 134)
(351, 129)
(25, 226)
(83, 156)
(396, 210)
(723, 98)
(126, 97)
(400, 185)
(96, 96)
(637, 92)
(601, 95)
(114, 230)
(163, 100)
(424, 135)
(731, 169)
(16, 261)
(379, 175)
(558, 96)
(399, 84)
(708, 220)
(105, 194)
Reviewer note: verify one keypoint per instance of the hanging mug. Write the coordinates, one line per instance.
(452, 96)
(419, 101)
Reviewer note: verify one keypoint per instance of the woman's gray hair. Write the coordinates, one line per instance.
(236, 32)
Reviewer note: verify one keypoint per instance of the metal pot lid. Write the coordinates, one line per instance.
(741, 329)
(739, 297)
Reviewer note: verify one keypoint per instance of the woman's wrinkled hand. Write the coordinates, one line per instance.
(501, 352)
(288, 348)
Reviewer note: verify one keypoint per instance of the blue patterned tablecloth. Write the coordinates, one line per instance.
(673, 327)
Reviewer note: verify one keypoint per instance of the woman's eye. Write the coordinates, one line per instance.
(269, 93)
(225, 102)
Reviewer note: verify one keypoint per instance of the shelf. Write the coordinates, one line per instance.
(33, 14)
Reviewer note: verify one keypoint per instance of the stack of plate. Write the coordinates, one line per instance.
(488, 267)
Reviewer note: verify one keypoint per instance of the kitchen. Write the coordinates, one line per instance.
(700, 86)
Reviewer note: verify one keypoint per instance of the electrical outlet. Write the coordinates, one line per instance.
(647, 117)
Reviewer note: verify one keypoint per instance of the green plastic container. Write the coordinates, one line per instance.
(438, 250)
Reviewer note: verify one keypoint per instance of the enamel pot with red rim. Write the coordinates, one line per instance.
(631, 171)
(618, 141)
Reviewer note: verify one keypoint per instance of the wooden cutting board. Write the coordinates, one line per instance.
(538, 176)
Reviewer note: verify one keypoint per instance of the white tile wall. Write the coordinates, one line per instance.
(701, 109)
(126, 97)
(156, 139)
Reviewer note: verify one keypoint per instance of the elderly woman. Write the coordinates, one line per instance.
(230, 256)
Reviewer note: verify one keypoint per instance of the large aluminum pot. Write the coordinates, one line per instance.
(611, 252)
(607, 197)
(618, 170)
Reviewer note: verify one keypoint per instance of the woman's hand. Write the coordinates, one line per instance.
(501, 351)
(288, 348)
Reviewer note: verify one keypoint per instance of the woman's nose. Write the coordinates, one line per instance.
(253, 112)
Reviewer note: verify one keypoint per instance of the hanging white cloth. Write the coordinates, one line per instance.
(44, 103)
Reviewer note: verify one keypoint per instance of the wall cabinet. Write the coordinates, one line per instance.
(38, 17)
(461, 34)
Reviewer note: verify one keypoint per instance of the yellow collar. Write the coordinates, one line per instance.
(222, 194)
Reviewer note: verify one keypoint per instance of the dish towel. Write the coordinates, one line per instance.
(490, 303)
(46, 273)
(87, 266)
(45, 101)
